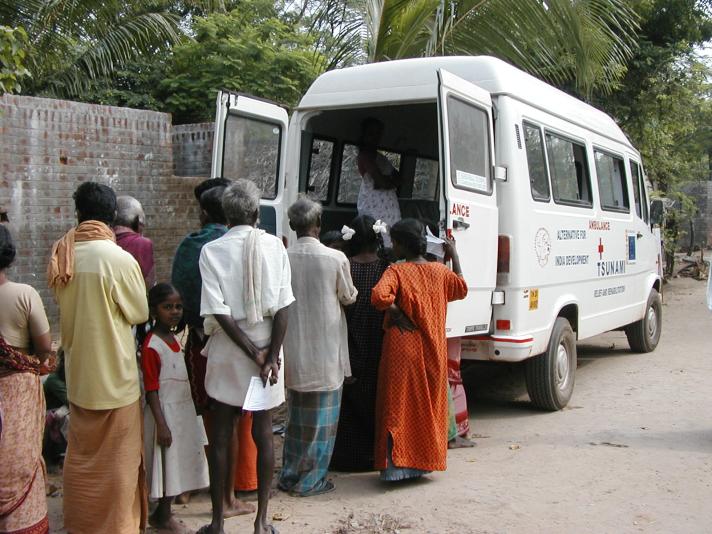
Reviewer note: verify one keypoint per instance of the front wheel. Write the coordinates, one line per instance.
(551, 376)
(644, 335)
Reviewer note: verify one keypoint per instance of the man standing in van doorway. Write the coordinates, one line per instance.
(378, 195)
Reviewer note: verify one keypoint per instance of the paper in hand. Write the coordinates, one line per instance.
(435, 244)
(260, 397)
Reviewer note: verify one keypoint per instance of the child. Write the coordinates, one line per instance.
(175, 436)
(334, 239)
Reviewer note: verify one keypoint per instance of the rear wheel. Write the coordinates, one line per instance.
(644, 335)
(551, 376)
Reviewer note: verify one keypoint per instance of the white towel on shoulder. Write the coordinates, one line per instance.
(252, 287)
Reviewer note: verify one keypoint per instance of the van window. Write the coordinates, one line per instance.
(538, 177)
(425, 181)
(322, 152)
(469, 146)
(612, 184)
(636, 189)
(350, 177)
(251, 151)
(641, 206)
(569, 171)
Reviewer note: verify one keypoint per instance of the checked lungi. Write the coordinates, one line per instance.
(312, 420)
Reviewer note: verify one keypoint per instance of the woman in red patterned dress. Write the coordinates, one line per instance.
(411, 404)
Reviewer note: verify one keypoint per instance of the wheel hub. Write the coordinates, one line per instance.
(652, 321)
(562, 367)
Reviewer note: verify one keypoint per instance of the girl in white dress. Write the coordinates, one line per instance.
(174, 434)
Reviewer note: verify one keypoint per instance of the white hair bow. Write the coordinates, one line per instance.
(347, 233)
(380, 227)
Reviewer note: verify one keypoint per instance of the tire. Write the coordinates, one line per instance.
(551, 376)
(644, 335)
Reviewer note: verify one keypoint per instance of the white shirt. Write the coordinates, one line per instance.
(222, 269)
(316, 347)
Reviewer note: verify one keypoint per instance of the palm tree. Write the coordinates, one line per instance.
(73, 42)
(580, 44)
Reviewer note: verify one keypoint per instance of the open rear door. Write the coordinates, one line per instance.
(467, 167)
(250, 142)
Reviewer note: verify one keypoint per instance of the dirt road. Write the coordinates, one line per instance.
(631, 453)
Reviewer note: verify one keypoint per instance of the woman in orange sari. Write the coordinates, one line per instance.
(411, 403)
(23, 330)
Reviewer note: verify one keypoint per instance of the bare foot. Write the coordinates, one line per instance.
(249, 496)
(171, 526)
(460, 443)
(236, 507)
(263, 528)
(208, 529)
(183, 498)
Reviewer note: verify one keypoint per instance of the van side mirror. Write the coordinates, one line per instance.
(500, 173)
(656, 212)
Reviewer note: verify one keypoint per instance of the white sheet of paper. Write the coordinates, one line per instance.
(261, 397)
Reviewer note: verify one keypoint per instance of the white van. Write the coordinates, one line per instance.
(544, 194)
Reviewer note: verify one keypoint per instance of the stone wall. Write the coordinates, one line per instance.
(50, 146)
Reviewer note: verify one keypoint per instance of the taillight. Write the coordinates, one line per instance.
(503, 254)
(503, 324)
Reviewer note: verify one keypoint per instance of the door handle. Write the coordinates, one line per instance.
(461, 225)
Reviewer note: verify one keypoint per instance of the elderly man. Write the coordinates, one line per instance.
(245, 296)
(186, 278)
(101, 294)
(128, 227)
(316, 353)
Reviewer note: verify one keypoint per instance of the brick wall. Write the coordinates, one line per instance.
(192, 149)
(50, 146)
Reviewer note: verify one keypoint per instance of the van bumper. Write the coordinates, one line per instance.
(497, 348)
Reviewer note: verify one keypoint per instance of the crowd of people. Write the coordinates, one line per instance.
(151, 375)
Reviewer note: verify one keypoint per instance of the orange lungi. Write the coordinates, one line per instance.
(104, 477)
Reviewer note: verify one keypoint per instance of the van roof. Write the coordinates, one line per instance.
(416, 80)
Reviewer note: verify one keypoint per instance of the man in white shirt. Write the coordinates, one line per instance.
(245, 295)
(316, 353)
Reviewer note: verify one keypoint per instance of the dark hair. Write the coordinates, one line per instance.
(156, 295)
(410, 234)
(211, 203)
(95, 202)
(367, 123)
(206, 185)
(365, 239)
(332, 236)
(7, 248)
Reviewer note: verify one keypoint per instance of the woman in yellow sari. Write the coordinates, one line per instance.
(24, 351)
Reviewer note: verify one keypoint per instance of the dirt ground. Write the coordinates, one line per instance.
(631, 453)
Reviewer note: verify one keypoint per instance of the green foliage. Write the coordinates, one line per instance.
(134, 86)
(582, 45)
(13, 49)
(75, 42)
(250, 49)
(664, 104)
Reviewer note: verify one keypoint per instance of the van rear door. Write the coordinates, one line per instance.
(250, 142)
(467, 167)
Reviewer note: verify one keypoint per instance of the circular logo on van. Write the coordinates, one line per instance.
(542, 246)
